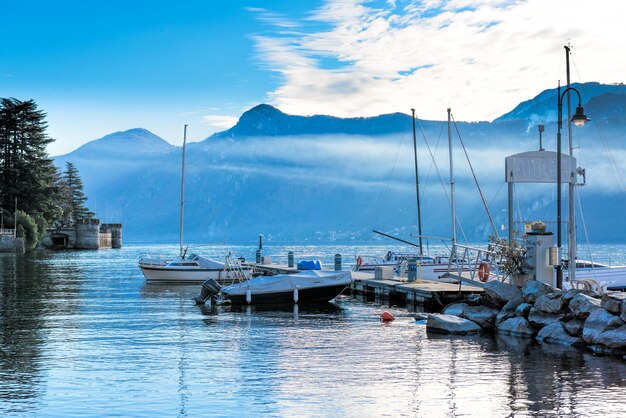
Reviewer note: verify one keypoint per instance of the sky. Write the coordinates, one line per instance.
(100, 67)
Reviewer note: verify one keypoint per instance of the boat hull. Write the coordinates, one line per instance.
(165, 274)
(310, 295)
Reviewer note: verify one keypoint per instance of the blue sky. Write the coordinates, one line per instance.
(100, 67)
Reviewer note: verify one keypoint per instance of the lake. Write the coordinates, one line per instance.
(83, 335)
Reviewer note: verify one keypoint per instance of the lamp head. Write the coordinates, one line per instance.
(579, 118)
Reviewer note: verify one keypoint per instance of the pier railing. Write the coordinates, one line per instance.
(8, 232)
(473, 264)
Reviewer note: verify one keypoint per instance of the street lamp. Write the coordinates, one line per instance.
(579, 119)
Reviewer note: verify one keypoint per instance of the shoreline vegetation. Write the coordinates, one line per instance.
(34, 194)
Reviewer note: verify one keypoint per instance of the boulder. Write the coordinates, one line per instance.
(450, 324)
(540, 319)
(550, 302)
(523, 309)
(474, 300)
(599, 321)
(569, 294)
(500, 293)
(555, 333)
(623, 314)
(516, 326)
(484, 316)
(614, 338)
(574, 327)
(532, 289)
(454, 309)
(508, 310)
(582, 305)
(612, 301)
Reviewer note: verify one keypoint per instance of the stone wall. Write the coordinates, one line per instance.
(87, 234)
(11, 244)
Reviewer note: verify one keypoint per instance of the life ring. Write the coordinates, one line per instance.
(483, 271)
(359, 262)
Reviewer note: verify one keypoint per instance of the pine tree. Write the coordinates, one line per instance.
(73, 196)
(26, 171)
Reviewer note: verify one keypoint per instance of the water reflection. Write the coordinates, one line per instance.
(85, 325)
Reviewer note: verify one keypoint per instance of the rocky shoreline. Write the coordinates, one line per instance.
(541, 312)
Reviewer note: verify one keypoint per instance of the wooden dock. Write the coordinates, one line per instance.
(396, 290)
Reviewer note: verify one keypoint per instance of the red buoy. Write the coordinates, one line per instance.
(387, 316)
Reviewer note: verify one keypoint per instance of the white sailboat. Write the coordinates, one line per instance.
(192, 268)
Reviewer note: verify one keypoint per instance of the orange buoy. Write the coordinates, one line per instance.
(387, 316)
(359, 261)
(483, 271)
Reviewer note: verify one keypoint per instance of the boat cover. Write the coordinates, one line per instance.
(288, 282)
(309, 265)
(208, 263)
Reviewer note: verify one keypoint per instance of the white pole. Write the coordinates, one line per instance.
(451, 181)
(182, 193)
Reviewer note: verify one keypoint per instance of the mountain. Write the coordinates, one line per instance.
(321, 178)
(543, 107)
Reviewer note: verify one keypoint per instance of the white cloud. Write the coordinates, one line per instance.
(219, 121)
(480, 57)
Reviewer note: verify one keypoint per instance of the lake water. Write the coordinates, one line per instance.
(82, 335)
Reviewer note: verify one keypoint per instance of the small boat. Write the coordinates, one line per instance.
(312, 286)
(591, 275)
(192, 269)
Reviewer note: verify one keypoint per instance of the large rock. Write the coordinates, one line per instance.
(454, 309)
(550, 302)
(516, 326)
(569, 294)
(523, 309)
(484, 316)
(532, 289)
(556, 334)
(612, 301)
(541, 319)
(500, 293)
(508, 310)
(600, 321)
(623, 314)
(450, 324)
(574, 327)
(582, 305)
(615, 338)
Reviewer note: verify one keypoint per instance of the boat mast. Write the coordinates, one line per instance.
(182, 193)
(451, 181)
(417, 187)
(571, 227)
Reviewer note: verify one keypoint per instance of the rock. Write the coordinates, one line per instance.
(623, 314)
(541, 319)
(508, 310)
(532, 289)
(582, 305)
(615, 338)
(450, 324)
(473, 300)
(500, 293)
(421, 316)
(555, 333)
(612, 301)
(569, 294)
(454, 309)
(574, 327)
(599, 321)
(483, 315)
(550, 302)
(523, 309)
(516, 326)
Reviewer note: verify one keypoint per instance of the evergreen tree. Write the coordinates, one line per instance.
(26, 171)
(73, 197)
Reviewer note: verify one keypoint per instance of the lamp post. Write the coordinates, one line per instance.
(579, 119)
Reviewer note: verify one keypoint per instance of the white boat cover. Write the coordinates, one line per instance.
(208, 263)
(287, 282)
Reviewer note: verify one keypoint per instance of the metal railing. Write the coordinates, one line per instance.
(234, 269)
(8, 232)
(465, 262)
